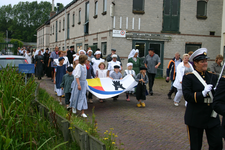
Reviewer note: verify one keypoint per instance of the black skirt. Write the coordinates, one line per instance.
(140, 91)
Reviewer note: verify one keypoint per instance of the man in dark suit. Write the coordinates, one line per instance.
(219, 103)
(70, 54)
(198, 92)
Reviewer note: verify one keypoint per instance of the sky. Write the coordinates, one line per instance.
(13, 2)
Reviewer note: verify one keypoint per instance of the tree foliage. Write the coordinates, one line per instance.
(23, 19)
(18, 42)
(2, 38)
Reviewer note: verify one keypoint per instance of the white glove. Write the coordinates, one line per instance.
(207, 89)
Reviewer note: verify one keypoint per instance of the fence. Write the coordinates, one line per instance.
(8, 49)
(84, 140)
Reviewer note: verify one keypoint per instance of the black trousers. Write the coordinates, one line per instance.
(89, 95)
(151, 78)
(140, 91)
(67, 98)
(213, 137)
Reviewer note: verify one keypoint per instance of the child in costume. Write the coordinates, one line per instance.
(66, 85)
(142, 80)
(131, 72)
(60, 71)
(116, 75)
(101, 73)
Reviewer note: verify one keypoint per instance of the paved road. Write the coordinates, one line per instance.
(159, 126)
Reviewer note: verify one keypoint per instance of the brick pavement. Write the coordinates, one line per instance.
(159, 126)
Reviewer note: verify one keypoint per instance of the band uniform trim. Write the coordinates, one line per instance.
(188, 134)
(195, 97)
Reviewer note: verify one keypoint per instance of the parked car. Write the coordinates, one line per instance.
(13, 60)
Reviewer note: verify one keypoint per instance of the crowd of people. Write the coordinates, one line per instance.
(189, 78)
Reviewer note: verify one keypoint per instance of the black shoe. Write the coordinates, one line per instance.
(169, 96)
(114, 99)
(151, 93)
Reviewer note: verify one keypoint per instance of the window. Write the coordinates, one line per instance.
(192, 47)
(78, 46)
(56, 23)
(79, 18)
(104, 48)
(202, 9)
(59, 26)
(68, 26)
(85, 47)
(138, 6)
(63, 24)
(53, 29)
(87, 12)
(96, 8)
(104, 7)
(212, 33)
(73, 20)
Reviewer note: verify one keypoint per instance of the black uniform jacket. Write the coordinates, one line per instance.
(219, 100)
(198, 113)
(70, 56)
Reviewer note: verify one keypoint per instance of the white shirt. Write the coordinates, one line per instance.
(111, 65)
(56, 61)
(180, 74)
(101, 73)
(96, 63)
(77, 71)
(177, 62)
(28, 57)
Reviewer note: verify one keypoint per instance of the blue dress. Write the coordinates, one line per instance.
(60, 72)
(78, 98)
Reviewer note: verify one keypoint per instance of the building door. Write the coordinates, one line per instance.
(171, 15)
(143, 47)
(158, 46)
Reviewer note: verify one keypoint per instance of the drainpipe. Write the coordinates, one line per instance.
(65, 32)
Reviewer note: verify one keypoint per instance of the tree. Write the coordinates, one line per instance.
(2, 40)
(23, 19)
(15, 41)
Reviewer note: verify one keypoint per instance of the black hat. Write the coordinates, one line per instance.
(70, 69)
(143, 68)
(151, 49)
(116, 66)
(46, 49)
(98, 49)
(71, 46)
(113, 49)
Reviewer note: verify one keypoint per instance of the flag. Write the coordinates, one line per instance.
(104, 88)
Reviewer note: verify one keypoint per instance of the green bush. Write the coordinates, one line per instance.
(90, 127)
(21, 126)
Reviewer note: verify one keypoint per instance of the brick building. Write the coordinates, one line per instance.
(169, 26)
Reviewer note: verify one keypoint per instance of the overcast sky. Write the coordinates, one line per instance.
(13, 2)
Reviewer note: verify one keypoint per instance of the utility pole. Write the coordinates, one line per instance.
(7, 36)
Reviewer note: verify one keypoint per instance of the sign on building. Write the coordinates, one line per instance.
(119, 33)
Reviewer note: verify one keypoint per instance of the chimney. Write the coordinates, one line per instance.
(53, 5)
(52, 13)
